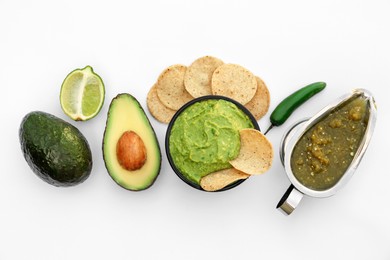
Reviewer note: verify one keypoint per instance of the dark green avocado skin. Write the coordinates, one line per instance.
(55, 150)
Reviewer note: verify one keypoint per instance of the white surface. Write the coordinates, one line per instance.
(287, 43)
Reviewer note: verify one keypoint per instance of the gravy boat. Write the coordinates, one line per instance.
(297, 190)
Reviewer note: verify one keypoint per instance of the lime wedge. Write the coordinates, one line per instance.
(82, 94)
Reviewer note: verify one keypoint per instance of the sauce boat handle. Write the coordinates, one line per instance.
(290, 200)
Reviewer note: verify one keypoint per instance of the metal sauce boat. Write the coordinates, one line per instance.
(297, 190)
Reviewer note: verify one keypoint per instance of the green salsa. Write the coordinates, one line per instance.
(205, 137)
(323, 154)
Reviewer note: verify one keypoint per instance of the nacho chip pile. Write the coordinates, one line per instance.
(208, 75)
(179, 84)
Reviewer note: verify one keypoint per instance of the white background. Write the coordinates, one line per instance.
(287, 43)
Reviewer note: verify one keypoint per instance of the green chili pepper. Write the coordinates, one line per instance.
(292, 102)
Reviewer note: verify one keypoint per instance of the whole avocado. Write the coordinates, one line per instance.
(55, 150)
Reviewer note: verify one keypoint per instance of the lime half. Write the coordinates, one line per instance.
(82, 94)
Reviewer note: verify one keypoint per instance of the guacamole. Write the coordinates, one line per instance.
(323, 154)
(205, 137)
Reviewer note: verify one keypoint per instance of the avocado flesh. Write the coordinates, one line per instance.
(55, 150)
(126, 114)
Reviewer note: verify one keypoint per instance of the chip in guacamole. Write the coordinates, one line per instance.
(205, 137)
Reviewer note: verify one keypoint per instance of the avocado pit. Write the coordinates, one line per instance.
(131, 151)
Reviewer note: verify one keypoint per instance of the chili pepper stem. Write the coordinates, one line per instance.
(269, 128)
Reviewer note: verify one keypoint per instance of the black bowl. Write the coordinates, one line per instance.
(184, 107)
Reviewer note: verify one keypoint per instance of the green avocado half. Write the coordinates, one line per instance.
(126, 114)
(55, 150)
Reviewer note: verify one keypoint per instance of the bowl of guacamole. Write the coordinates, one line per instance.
(203, 136)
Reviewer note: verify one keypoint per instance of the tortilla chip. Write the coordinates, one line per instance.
(170, 87)
(197, 80)
(158, 110)
(259, 104)
(220, 179)
(256, 153)
(234, 81)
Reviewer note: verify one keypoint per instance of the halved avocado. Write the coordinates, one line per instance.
(126, 115)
